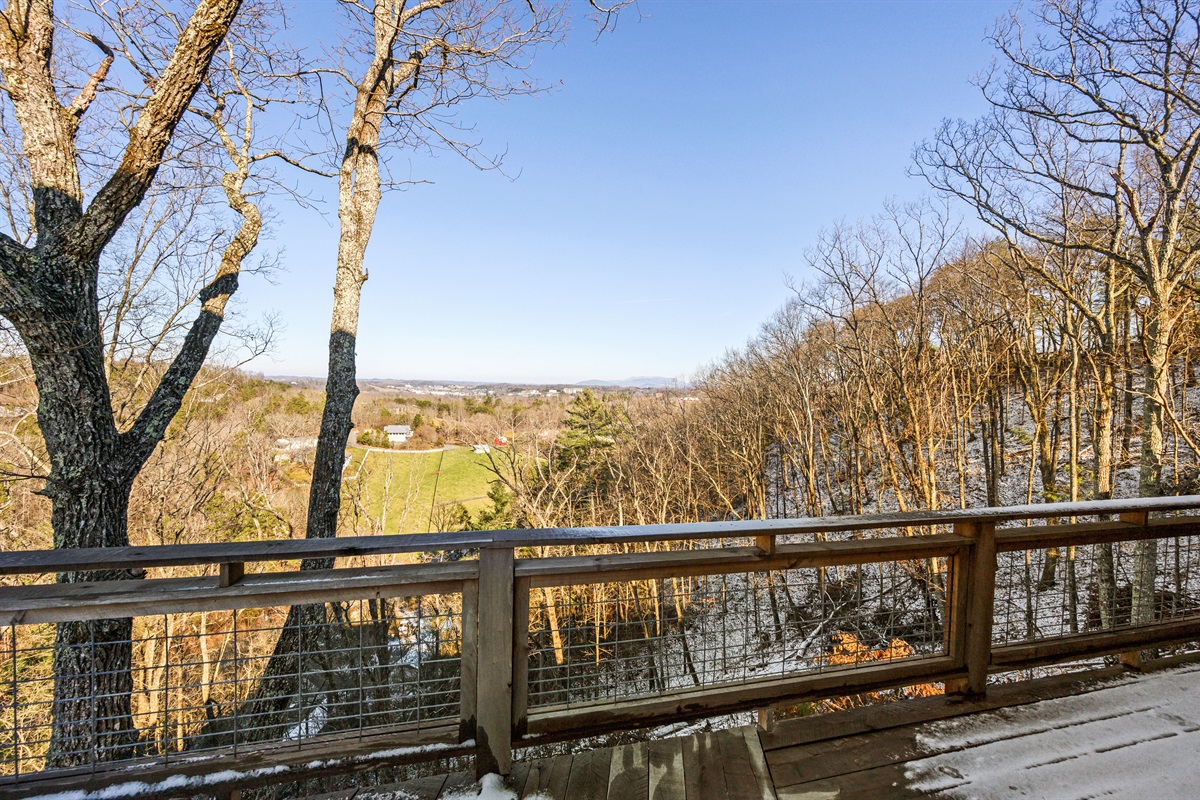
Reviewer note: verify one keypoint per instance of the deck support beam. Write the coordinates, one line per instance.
(980, 607)
(1132, 659)
(493, 729)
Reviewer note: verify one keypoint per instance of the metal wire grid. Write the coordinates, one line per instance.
(1043, 594)
(240, 679)
(608, 642)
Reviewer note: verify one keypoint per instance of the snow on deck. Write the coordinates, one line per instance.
(1140, 738)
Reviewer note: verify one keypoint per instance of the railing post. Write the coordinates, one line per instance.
(520, 651)
(980, 607)
(468, 688)
(231, 573)
(766, 545)
(958, 601)
(493, 729)
(1132, 659)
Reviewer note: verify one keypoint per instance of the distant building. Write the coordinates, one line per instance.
(481, 448)
(296, 443)
(500, 441)
(398, 434)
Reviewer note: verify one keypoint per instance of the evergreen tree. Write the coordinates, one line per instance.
(584, 451)
(499, 516)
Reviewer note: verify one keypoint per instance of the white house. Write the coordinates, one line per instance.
(397, 434)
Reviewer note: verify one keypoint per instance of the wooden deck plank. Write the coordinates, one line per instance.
(553, 780)
(741, 783)
(758, 762)
(691, 767)
(516, 780)
(703, 772)
(712, 767)
(665, 769)
(629, 774)
(826, 760)
(456, 782)
(882, 783)
(589, 775)
(538, 768)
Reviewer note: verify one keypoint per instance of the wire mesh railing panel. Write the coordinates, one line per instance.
(611, 642)
(1060, 591)
(180, 685)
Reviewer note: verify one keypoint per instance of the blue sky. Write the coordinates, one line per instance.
(666, 189)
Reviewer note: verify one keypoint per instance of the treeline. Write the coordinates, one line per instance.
(1057, 339)
(918, 370)
(236, 461)
(1051, 356)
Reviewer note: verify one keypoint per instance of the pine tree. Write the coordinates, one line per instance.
(584, 451)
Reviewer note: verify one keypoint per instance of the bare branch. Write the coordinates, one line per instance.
(156, 123)
(87, 94)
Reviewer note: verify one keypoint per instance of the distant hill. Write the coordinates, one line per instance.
(644, 382)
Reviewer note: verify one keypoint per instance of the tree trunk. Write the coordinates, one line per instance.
(88, 487)
(93, 682)
(1145, 553)
(1106, 580)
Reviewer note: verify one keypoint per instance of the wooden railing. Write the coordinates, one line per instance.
(514, 630)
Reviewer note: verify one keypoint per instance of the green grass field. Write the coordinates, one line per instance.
(406, 481)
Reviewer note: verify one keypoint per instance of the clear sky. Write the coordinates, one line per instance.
(666, 189)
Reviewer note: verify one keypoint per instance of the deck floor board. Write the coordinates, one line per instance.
(666, 769)
(629, 776)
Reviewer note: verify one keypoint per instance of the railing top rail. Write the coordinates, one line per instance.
(83, 559)
(175, 555)
(781, 527)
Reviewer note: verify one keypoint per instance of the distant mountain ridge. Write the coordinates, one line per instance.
(642, 382)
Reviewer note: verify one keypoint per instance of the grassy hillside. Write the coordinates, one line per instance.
(405, 483)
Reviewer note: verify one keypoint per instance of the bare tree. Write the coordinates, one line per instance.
(1106, 112)
(420, 62)
(49, 291)
(1104, 116)
(417, 63)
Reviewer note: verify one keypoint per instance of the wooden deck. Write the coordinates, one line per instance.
(858, 753)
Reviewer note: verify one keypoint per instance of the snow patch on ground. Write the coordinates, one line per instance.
(310, 727)
(491, 787)
(1138, 738)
